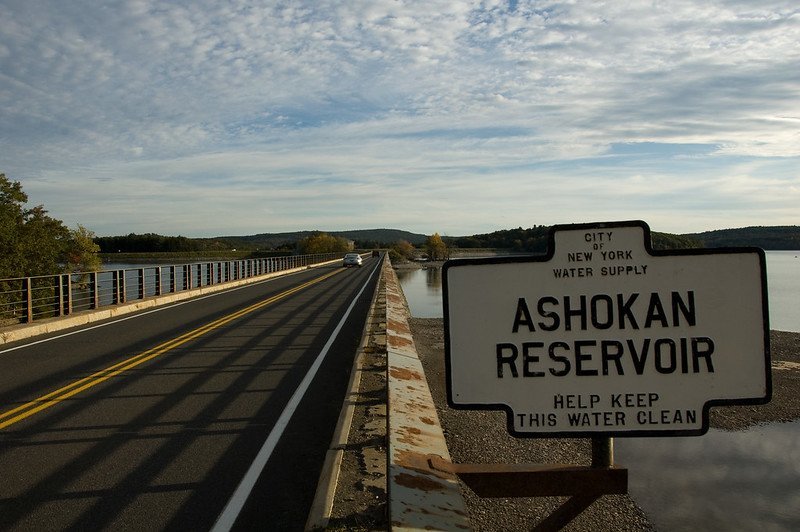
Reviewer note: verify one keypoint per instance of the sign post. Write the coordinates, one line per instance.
(604, 336)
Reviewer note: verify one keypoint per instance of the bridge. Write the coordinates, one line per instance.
(209, 397)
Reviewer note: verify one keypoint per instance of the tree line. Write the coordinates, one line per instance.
(148, 243)
(771, 237)
(536, 240)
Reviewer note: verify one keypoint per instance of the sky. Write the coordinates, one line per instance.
(212, 118)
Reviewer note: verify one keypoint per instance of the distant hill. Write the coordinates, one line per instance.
(364, 238)
(785, 237)
(386, 236)
(536, 240)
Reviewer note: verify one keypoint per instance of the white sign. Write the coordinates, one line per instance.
(604, 336)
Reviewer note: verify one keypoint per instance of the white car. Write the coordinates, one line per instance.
(351, 259)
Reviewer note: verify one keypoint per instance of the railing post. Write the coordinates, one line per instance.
(172, 280)
(158, 280)
(95, 290)
(123, 296)
(60, 301)
(115, 287)
(142, 291)
(69, 294)
(27, 286)
(115, 299)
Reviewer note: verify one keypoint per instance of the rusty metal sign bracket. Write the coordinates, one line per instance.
(582, 484)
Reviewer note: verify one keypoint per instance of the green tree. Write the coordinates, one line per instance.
(402, 249)
(33, 243)
(322, 243)
(43, 243)
(12, 198)
(82, 251)
(435, 247)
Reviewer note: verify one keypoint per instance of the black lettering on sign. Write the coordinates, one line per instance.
(596, 419)
(598, 237)
(555, 319)
(606, 311)
(633, 400)
(543, 419)
(578, 312)
(509, 359)
(611, 351)
(590, 358)
(523, 316)
(561, 359)
(580, 256)
(655, 312)
(625, 310)
(581, 357)
(567, 273)
(529, 359)
(666, 417)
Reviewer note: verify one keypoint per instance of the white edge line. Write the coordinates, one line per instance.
(228, 517)
(112, 321)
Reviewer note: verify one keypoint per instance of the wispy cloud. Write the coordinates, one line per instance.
(207, 118)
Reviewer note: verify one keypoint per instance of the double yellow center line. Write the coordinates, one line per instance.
(53, 398)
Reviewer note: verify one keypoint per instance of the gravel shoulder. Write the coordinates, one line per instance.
(477, 436)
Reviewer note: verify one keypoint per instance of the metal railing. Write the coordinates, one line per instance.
(26, 299)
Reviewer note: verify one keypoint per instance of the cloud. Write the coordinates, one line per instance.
(468, 114)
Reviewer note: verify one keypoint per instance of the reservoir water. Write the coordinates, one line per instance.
(423, 290)
(732, 481)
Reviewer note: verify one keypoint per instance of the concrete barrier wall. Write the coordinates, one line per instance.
(420, 498)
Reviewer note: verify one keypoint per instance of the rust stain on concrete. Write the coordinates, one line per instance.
(410, 436)
(398, 326)
(398, 342)
(404, 374)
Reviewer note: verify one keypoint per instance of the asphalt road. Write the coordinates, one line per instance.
(153, 421)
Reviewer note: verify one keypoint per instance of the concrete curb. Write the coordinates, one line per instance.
(320, 513)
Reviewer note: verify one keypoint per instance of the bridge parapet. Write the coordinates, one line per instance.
(31, 306)
(420, 497)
